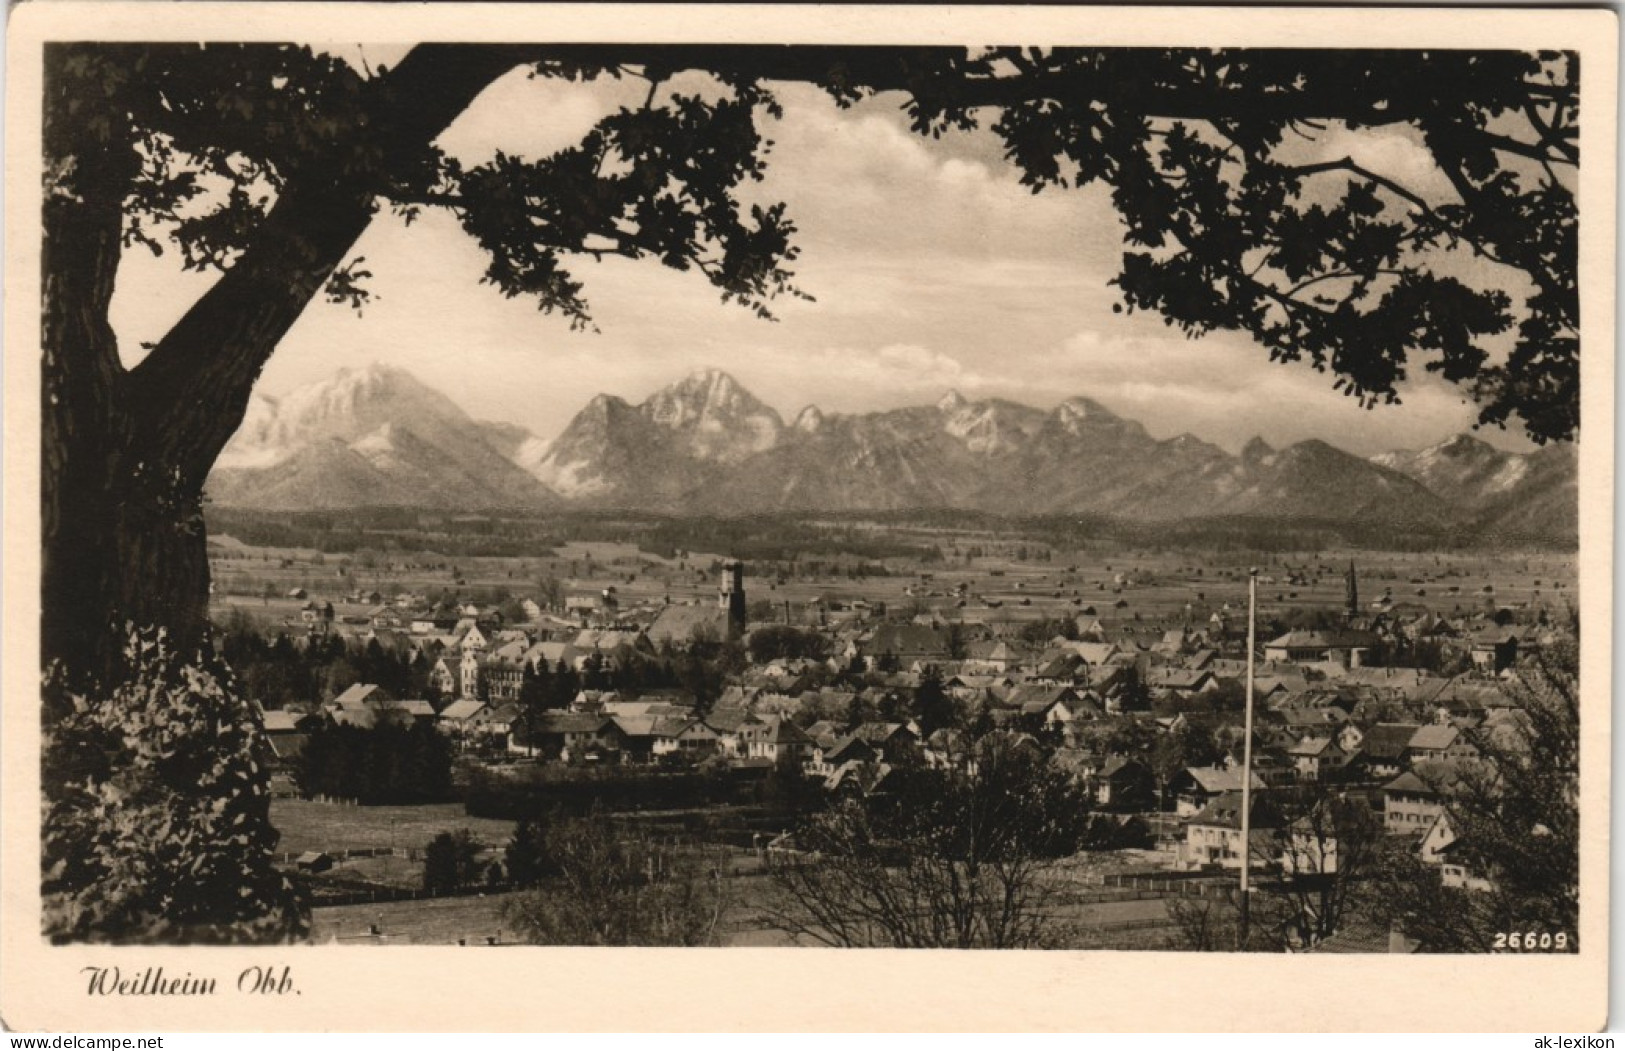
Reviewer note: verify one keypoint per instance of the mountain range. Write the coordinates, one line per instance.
(378, 436)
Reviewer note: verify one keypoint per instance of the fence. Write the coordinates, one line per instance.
(381, 895)
(349, 854)
(1191, 885)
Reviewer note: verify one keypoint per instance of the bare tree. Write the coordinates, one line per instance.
(1329, 842)
(621, 886)
(1205, 924)
(937, 859)
(1515, 816)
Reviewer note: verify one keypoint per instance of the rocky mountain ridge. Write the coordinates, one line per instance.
(706, 445)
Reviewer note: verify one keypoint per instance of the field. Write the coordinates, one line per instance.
(439, 921)
(982, 576)
(475, 919)
(307, 825)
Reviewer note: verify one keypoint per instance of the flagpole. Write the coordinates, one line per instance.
(1247, 757)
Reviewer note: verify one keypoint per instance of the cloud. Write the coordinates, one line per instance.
(932, 267)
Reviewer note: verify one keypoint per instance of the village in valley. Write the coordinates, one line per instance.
(717, 705)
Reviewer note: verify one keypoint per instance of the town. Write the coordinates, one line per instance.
(701, 700)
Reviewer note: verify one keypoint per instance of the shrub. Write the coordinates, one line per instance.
(156, 825)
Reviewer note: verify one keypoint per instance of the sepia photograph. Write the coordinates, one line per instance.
(790, 494)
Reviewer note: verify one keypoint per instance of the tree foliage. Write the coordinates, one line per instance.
(1245, 208)
(451, 861)
(385, 764)
(157, 811)
(781, 640)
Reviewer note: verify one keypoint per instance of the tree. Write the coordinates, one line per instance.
(932, 706)
(550, 593)
(1190, 744)
(451, 861)
(157, 828)
(534, 686)
(619, 886)
(781, 640)
(1330, 841)
(940, 860)
(528, 854)
(1515, 816)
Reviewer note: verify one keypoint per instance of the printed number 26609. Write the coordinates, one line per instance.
(1532, 941)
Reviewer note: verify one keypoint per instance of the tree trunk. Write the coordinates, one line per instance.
(126, 453)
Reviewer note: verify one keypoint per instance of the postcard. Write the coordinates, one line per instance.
(549, 517)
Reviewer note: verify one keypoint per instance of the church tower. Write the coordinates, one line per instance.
(732, 596)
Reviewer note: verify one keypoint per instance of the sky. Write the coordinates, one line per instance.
(932, 269)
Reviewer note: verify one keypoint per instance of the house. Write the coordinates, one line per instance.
(1213, 834)
(1049, 705)
(313, 861)
(1063, 670)
(1439, 743)
(905, 644)
(775, 738)
(497, 722)
(591, 606)
(360, 695)
(474, 640)
(568, 736)
(995, 656)
(388, 617)
(468, 674)
(405, 712)
(287, 748)
(1385, 751)
(1185, 682)
(456, 719)
(445, 676)
(502, 678)
(1125, 784)
(1315, 757)
(1456, 871)
(851, 748)
(280, 722)
(728, 723)
(1322, 719)
(677, 735)
(684, 625)
(362, 717)
(552, 654)
(640, 732)
(1438, 836)
(1494, 651)
(1410, 805)
(1344, 648)
(1173, 642)
(1194, 787)
(1095, 654)
(892, 742)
